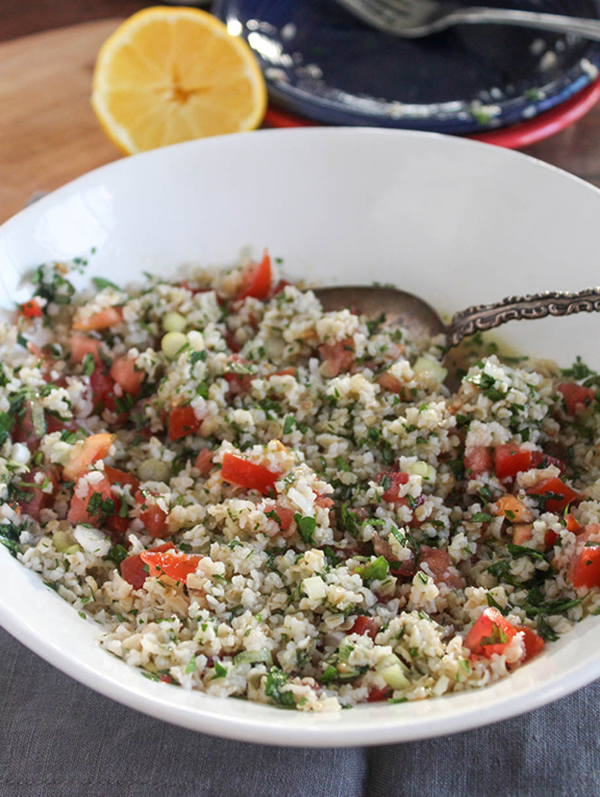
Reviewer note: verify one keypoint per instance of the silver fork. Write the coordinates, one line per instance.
(416, 18)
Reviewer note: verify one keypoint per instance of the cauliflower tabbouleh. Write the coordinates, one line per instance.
(255, 498)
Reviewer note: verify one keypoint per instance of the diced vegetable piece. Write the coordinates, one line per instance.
(262, 656)
(40, 494)
(315, 588)
(172, 344)
(61, 541)
(426, 365)
(177, 566)
(378, 695)
(522, 533)
(513, 509)
(87, 452)
(123, 371)
(365, 625)
(109, 317)
(478, 460)
(82, 345)
(511, 459)
(584, 569)
(95, 507)
(204, 461)
(534, 643)
(550, 539)
(427, 472)
(491, 633)
(337, 357)
(572, 524)
(441, 567)
(391, 481)
(389, 382)
(559, 495)
(577, 398)
(244, 473)
(154, 470)
(134, 570)
(92, 541)
(256, 279)
(174, 322)
(183, 421)
(392, 671)
(152, 515)
(116, 476)
(31, 309)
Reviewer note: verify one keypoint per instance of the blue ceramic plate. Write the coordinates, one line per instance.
(324, 64)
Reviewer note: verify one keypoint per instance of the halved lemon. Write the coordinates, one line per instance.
(173, 74)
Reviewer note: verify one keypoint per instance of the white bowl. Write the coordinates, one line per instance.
(455, 221)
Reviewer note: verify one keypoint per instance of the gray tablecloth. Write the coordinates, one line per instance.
(59, 739)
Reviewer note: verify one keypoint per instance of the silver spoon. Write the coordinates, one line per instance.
(422, 322)
(416, 18)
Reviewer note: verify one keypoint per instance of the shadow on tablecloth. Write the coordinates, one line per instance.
(60, 739)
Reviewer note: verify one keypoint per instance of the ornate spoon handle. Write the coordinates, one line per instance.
(516, 308)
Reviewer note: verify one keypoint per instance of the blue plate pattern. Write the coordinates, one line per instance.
(324, 64)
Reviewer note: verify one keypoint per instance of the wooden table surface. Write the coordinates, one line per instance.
(577, 149)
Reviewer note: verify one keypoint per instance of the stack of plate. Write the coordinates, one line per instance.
(508, 85)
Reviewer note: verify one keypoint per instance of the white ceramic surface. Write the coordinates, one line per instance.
(456, 221)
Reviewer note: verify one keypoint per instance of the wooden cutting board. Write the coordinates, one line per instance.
(48, 132)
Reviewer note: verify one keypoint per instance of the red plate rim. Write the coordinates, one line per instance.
(514, 137)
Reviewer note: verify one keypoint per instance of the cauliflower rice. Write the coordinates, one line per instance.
(257, 499)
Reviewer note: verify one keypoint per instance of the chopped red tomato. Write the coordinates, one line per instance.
(281, 285)
(93, 508)
(324, 501)
(365, 625)
(116, 523)
(284, 372)
(256, 279)
(116, 476)
(23, 430)
(511, 459)
(177, 566)
(513, 509)
(478, 460)
(54, 424)
(244, 473)
(152, 515)
(378, 695)
(84, 454)
(82, 345)
(534, 643)
(102, 387)
(441, 567)
(284, 516)
(584, 569)
(31, 309)
(109, 317)
(37, 497)
(183, 421)
(405, 569)
(338, 356)
(204, 461)
(490, 634)
(391, 481)
(231, 342)
(573, 525)
(389, 382)
(550, 539)
(577, 398)
(521, 533)
(560, 495)
(132, 567)
(124, 372)
(238, 383)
